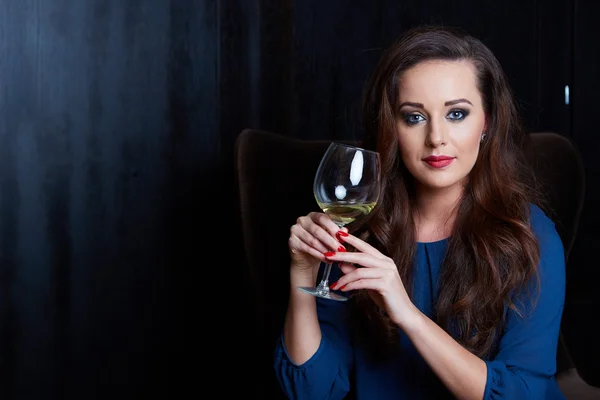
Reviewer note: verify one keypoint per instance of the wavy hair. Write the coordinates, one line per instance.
(492, 252)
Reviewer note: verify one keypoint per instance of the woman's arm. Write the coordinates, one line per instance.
(525, 364)
(314, 357)
(301, 332)
(463, 373)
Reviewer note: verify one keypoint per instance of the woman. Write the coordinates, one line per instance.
(457, 280)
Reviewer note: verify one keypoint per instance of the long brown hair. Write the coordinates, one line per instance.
(492, 252)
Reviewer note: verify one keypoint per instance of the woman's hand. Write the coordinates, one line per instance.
(311, 237)
(378, 275)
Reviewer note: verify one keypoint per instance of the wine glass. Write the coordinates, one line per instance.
(346, 187)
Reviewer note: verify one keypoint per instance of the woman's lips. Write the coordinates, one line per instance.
(438, 161)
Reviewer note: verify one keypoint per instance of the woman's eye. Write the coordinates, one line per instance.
(457, 115)
(413, 119)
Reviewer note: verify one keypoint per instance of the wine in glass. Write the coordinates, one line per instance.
(346, 187)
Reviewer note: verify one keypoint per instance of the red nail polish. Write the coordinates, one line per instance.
(332, 286)
(342, 287)
(329, 254)
(341, 249)
(341, 234)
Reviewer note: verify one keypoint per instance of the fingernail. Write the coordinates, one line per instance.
(341, 249)
(342, 288)
(341, 234)
(329, 254)
(332, 286)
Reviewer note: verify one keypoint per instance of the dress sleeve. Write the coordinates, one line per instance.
(525, 364)
(326, 375)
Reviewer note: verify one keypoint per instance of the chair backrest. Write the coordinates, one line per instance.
(275, 176)
(558, 166)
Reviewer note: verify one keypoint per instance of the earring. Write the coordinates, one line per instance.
(482, 137)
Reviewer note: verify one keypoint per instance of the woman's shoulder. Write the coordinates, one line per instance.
(540, 221)
(544, 228)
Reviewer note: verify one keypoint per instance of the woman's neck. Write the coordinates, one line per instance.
(435, 212)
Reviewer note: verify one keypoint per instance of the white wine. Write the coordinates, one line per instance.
(344, 213)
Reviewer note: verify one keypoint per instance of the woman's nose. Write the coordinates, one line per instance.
(436, 136)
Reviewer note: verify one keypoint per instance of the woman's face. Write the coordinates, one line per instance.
(440, 122)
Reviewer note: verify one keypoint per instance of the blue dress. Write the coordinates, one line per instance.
(523, 366)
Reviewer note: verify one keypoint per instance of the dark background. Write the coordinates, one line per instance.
(121, 266)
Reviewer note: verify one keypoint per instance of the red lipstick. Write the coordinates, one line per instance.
(438, 161)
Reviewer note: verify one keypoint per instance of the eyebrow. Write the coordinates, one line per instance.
(448, 103)
(457, 101)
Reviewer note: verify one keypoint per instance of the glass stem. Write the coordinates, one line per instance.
(324, 284)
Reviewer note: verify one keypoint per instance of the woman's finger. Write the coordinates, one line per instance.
(316, 236)
(308, 239)
(365, 283)
(362, 259)
(324, 221)
(297, 245)
(367, 278)
(346, 268)
(358, 244)
(319, 226)
(358, 274)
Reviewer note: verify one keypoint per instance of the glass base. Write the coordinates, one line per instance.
(323, 293)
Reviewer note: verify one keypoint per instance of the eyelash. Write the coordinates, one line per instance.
(407, 117)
